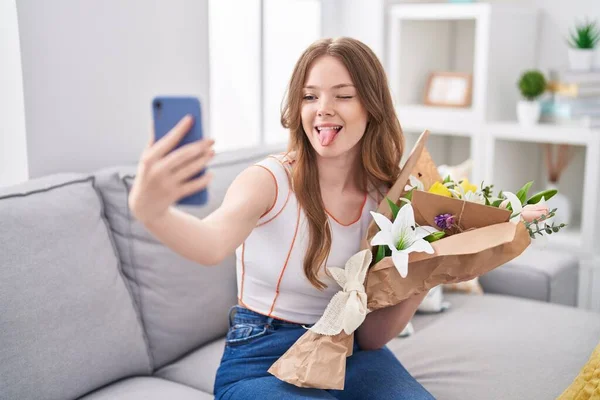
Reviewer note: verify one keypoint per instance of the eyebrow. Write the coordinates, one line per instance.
(341, 85)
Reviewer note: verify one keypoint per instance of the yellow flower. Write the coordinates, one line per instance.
(439, 189)
(467, 186)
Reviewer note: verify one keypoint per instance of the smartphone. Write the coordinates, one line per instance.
(167, 111)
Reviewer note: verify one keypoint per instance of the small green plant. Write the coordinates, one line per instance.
(532, 84)
(586, 36)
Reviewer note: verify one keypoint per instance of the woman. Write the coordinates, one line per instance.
(289, 216)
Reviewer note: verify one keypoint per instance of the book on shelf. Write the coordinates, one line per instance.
(578, 77)
(574, 89)
(566, 107)
(583, 112)
(586, 121)
(574, 83)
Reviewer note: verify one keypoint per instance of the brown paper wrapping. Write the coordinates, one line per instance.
(487, 241)
(315, 361)
(457, 258)
(425, 170)
(469, 215)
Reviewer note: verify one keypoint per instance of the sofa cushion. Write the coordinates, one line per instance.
(183, 304)
(197, 369)
(67, 321)
(539, 274)
(470, 351)
(499, 347)
(147, 388)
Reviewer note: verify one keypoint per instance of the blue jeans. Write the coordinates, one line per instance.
(254, 342)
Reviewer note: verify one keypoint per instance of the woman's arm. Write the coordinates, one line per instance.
(209, 240)
(166, 175)
(384, 324)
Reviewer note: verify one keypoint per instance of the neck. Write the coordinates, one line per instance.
(340, 174)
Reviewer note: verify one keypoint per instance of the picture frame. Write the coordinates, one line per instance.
(448, 89)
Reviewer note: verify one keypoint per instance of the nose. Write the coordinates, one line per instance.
(325, 107)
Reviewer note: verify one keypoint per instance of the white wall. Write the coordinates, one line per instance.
(360, 19)
(557, 17)
(90, 69)
(13, 146)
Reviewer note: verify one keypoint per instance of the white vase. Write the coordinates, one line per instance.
(563, 206)
(528, 112)
(581, 59)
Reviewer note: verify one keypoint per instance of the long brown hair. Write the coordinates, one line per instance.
(381, 145)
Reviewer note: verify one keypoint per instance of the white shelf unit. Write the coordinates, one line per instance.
(475, 38)
(467, 38)
(582, 233)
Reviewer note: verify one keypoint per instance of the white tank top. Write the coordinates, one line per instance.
(270, 272)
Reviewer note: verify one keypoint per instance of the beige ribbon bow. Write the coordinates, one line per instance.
(348, 307)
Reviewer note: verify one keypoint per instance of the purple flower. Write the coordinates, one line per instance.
(444, 221)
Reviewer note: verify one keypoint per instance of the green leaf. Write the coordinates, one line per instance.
(522, 193)
(409, 194)
(497, 203)
(380, 254)
(394, 208)
(435, 236)
(447, 179)
(546, 194)
(487, 201)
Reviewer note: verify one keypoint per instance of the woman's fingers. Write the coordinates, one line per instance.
(193, 167)
(182, 156)
(168, 142)
(195, 185)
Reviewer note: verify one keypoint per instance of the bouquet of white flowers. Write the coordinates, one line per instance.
(427, 232)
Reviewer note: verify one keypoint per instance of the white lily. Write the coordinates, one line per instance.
(515, 204)
(402, 236)
(415, 183)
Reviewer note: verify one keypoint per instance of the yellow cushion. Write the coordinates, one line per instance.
(586, 385)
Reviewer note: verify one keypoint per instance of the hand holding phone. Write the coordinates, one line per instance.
(173, 166)
(166, 113)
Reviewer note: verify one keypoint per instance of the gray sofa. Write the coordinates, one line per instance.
(93, 307)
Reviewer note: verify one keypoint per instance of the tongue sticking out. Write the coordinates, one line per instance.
(326, 136)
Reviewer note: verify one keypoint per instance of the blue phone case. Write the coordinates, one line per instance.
(167, 112)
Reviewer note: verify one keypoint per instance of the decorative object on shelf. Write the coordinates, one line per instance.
(582, 43)
(555, 168)
(448, 89)
(575, 99)
(532, 85)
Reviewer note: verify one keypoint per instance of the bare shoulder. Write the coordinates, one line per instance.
(254, 189)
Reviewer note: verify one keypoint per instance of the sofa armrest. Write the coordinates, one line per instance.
(539, 274)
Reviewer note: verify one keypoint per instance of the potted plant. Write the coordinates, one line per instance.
(532, 85)
(581, 46)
